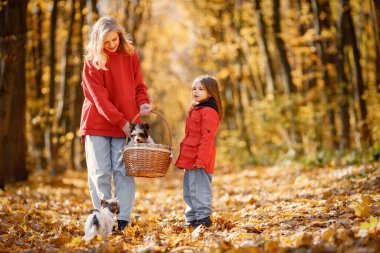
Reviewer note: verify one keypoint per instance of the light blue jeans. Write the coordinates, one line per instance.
(104, 157)
(197, 194)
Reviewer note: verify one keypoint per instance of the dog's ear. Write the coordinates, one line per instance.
(146, 127)
(103, 202)
(132, 126)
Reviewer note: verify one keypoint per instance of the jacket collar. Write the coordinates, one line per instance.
(208, 103)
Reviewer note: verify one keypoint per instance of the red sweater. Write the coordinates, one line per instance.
(197, 147)
(112, 96)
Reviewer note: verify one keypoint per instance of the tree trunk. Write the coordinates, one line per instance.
(321, 45)
(12, 92)
(76, 147)
(360, 88)
(65, 70)
(375, 4)
(280, 45)
(345, 138)
(240, 58)
(50, 142)
(134, 16)
(36, 143)
(264, 49)
(94, 11)
(287, 76)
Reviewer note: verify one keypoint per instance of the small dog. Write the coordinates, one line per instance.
(140, 133)
(100, 221)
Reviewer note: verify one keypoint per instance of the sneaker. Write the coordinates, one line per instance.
(191, 223)
(205, 221)
(122, 224)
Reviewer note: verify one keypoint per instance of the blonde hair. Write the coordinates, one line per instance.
(94, 50)
(212, 87)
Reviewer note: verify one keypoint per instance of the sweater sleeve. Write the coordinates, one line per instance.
(209, 128)
(95, 91)
(141, 89)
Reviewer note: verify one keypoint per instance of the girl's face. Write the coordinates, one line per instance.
(111, 41)
(199, 93)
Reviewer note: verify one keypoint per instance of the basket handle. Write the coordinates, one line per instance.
(165, 121)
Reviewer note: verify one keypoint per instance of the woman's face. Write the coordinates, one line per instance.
(199, 93)
(111, 41)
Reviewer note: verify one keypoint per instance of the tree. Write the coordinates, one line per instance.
(264, 48)
(376, 13)
(37, 142)
(290, 88)
(360, 88)
(322, 10)
(12, 92)
(50, 141)
(345, 139)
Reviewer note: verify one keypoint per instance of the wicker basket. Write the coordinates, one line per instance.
(148, 160)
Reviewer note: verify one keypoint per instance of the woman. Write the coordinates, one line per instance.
(114, 93)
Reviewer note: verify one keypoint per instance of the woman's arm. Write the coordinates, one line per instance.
(95, 91)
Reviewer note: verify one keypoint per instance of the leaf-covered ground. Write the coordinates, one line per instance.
(272, 209)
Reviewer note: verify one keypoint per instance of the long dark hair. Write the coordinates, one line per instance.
(212, 87)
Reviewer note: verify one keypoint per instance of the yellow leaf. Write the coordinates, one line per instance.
(271, 246)
(327, 234)
(302, 239)
(287, 241)
(365, 225)
(4, 201)
(75, 241)
(367, 200)
(361, 210)
(99, 238)
(373, 222)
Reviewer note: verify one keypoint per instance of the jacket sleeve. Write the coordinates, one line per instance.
(141, 90)
(95, 91)
(209, 128)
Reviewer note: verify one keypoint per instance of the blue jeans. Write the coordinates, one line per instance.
(197, 194)
(104, 157)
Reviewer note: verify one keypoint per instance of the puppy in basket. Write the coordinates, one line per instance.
(100, 221)
(140, 133)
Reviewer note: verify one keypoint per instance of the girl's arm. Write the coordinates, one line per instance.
(94, 90)
(209, 128)
(141, 90)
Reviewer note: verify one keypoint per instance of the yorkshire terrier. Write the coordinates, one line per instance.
(140, 133)
(100, 221)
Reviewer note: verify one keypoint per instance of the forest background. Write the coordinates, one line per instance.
(299, 79)
(297, 153)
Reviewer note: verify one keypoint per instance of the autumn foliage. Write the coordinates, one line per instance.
(300, 88)
(272, 209)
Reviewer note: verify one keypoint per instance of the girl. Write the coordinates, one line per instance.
(114, 93)
(197, 153)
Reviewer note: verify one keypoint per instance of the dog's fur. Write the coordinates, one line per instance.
(140, 133)
(100, 221)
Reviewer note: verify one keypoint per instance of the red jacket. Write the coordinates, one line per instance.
(197, 147)
(112, 96)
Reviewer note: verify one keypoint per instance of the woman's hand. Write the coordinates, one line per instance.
(145, 109)
(126, 129)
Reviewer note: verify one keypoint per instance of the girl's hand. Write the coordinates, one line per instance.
(145, 109)
(126, 129)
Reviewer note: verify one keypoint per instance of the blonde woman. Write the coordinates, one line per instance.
(114, 93)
